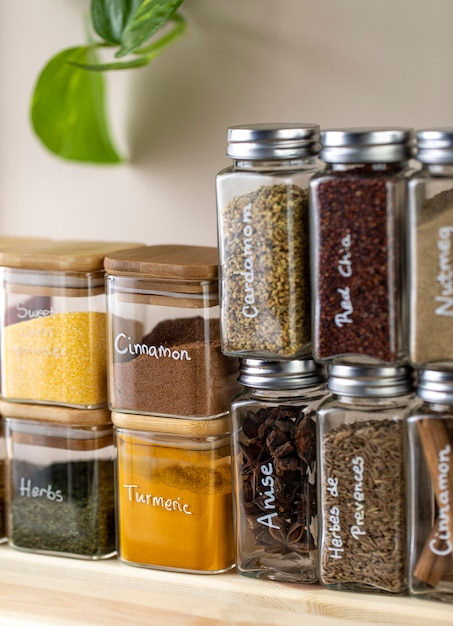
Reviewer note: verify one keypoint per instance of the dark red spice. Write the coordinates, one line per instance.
(357, 267)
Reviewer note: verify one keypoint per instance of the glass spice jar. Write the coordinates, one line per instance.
(274, 468)
(430, 488)
(362, 504)
(60, 490)
(174, 493)
(358, 208)
(431, 250)
(2, 484)
(164, 355)
(263, 239)
(53, 338)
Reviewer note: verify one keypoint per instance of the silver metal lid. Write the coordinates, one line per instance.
(366, 145)
(293, 374)
(273, 141)
(370, 381)
(435, 145)
(436, 385)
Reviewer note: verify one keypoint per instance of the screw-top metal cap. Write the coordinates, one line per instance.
(293, 374)
(273, 141)
(366, 145)
(370, 381)
(435, 385)
(435, 145)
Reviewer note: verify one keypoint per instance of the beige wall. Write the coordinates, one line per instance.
(334, 62)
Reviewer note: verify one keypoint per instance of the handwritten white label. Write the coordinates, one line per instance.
(169, 504)
(249, 310)
(28, 490)
(268, 496)
(24, 313)
(441, 544)
(123, 345)
(357, 529)
(445, 275)
(344, 269)
(335, 543)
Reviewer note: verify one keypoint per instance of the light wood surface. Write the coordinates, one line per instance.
(48, 590)
(165, 262)
(60, 255)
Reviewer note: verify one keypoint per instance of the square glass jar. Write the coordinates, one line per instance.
(53, 323)
(60, 494)
(164, 355)
(174, 493)
(2, 484)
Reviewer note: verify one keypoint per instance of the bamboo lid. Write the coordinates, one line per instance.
(12, 241)
(174, 262)
(60, 255)
(55, 414)
(174, 425)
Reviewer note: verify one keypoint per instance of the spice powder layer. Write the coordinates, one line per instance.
(175, 507)
(58, 359)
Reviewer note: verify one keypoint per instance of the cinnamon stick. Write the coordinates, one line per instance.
(437, 449)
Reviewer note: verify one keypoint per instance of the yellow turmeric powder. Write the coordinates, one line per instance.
(60, 358)
(175, 502)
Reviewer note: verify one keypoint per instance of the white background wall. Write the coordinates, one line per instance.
(334, 62)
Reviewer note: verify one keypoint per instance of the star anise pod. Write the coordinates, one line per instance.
(288, 538)
(305, 439)
(253, 456)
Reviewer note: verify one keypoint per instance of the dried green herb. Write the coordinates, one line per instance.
(363, 506)
(266, 282)
(64, 507)
(2, 501)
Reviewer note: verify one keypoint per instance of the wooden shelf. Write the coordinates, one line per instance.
(47, 590)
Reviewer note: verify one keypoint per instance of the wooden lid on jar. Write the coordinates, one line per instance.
(173, 425)
(170, 262)
(34, 424)
(55, 414)
(60, 255)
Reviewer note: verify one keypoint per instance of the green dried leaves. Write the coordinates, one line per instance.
(68, 109)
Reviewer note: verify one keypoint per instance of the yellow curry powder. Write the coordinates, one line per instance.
(60, 358)
(175, 505)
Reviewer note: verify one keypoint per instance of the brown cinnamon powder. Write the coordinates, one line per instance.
(181, 374)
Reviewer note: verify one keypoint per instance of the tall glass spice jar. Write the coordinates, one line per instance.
(274, 468)
(53, 324)
(263, 239)
(174, 493)
(358, 208)
(2, 483)
(431, 250)
(164, 351)
(430, 478)
(362, 488)
(60, 489)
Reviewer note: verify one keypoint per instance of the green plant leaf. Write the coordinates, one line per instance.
(110, 17)
(138, 61)
(68, 110)
(146, 54)
(149, 16)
